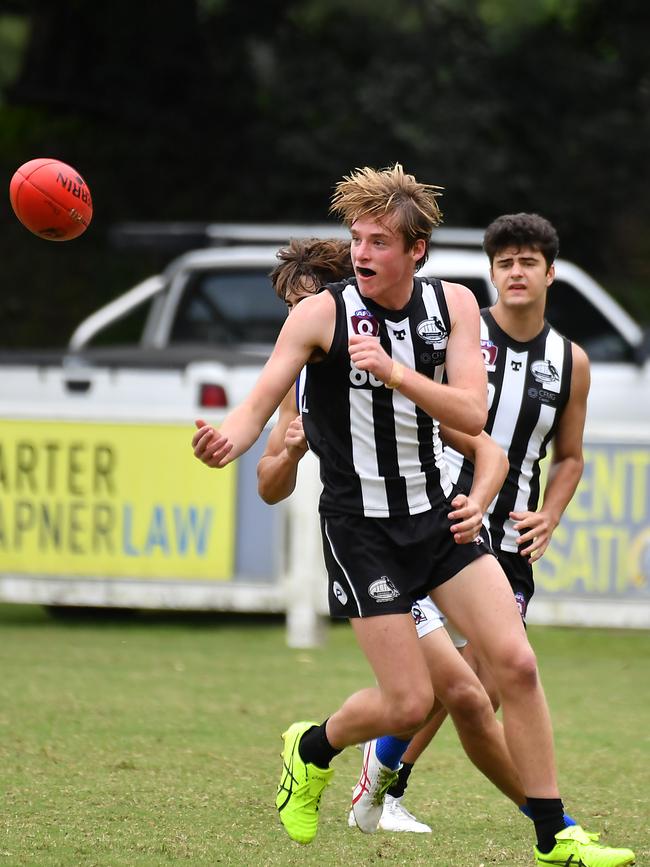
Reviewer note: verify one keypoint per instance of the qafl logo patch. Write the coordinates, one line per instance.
(490, 351)
(363, 322)
(383, 590)
(544, 371)
(432, 331)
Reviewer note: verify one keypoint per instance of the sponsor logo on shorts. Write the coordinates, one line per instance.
(418, 614)
(432, 331)
(479, 540)
(339, 593)
(383, 590)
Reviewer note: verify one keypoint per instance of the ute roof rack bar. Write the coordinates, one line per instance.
(279, 233)
(186, 235)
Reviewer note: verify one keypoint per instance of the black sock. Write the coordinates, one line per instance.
(548, 816)
(399, 786)
(315, 748)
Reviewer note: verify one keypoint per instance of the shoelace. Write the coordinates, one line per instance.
(385, 780)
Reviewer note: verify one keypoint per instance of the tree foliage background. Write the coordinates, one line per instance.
(220, 110)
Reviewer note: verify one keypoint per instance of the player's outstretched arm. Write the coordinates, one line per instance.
(278, 467)
(490, 471)
(536, 528)
(308, 329)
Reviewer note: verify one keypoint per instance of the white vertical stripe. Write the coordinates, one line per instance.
(555, 354)
(512, 393)
(364, 454)
(509, 407)
(362, 428)
(406, 425)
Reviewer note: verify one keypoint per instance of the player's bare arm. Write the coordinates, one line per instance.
(278, 467)
(461, 403)
(308, 330)
(536, 528)
(490, 471)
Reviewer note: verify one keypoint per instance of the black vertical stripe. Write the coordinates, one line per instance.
(386, 439)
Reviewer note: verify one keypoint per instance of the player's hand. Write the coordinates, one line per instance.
(468, 516)
(295, 441)
(366, 353)
(535, 530)
(210, 447)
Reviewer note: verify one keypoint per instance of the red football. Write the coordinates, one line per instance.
(51, 199)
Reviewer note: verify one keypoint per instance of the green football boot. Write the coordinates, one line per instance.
(576, 848)
(301, 787)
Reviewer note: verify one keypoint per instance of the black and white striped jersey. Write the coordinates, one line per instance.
(528, 387)
(380, 455)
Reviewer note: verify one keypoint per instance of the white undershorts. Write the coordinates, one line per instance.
(428, 617)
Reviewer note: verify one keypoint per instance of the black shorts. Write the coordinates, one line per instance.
(382, 565)
(519, 573)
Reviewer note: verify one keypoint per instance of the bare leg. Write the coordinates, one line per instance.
(459, 692)
(484, 675)
(403, 697)
(480, 601)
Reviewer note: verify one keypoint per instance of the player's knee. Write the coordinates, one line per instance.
(521, 671)
(412, 710)
(467, 701)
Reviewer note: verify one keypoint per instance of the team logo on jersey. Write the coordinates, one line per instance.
(418, 614)
(490, 351)
(401, 334)
(516, 365)
(339, 593)
(383, 590)
(544, 371)
(363, 322)
(432, 331)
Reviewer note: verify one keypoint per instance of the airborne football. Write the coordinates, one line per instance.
(51, 199)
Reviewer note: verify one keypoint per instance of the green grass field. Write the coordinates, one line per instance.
(155, 740)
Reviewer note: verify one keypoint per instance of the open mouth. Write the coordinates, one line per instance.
(365, 272)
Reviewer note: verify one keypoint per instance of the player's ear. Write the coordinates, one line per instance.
(550, 275)
(419, 249)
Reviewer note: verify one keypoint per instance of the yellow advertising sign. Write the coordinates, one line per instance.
(117, 500)
(602, 545)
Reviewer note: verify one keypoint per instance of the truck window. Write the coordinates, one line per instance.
(574, 316)
(229, 307)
